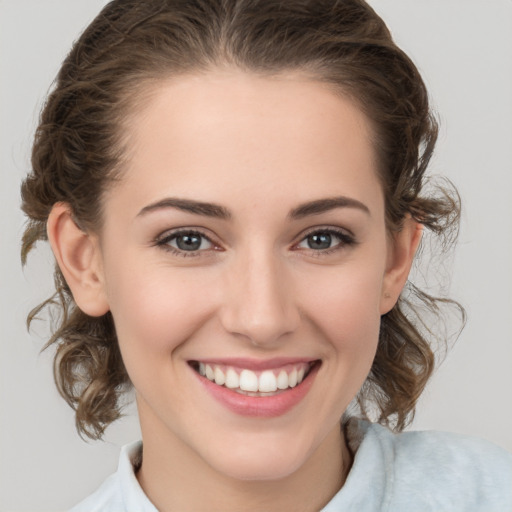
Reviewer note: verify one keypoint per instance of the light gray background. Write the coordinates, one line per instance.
(463, 48)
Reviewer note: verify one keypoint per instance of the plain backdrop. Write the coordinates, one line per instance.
(464, 50)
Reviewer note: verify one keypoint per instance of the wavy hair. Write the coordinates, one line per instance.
(78, 154)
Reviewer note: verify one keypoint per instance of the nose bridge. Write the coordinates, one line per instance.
(259, 303)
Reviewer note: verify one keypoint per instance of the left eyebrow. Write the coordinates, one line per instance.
(325, 205)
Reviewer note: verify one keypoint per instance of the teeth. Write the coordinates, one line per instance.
(268, 381)
(292, 378)
(232, 379)
(248, 381)
(220, 378)
(282, 380)
(209, 373)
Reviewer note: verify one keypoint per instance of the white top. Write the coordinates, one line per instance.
(408, 472)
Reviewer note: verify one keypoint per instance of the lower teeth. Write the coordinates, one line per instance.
(257, 393)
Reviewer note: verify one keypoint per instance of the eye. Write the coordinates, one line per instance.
(182, 242)
(326, 240)
(319, 241)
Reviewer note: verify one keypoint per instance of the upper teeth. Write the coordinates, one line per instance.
(266, 381)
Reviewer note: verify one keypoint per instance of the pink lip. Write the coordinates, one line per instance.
(259, 406)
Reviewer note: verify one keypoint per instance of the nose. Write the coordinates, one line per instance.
(259, 303)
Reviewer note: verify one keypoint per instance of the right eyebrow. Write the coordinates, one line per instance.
(190, 206)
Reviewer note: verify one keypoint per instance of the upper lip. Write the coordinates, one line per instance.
(255, 364)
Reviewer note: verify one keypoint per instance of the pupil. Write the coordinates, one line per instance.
(322, 241)
(188, 242)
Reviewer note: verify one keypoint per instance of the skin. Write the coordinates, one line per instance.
(259, 147)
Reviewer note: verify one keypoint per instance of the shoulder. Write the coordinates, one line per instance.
(447, 471)
(106, 498)
(121, 491)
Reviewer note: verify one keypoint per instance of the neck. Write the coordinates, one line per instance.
(174, 477)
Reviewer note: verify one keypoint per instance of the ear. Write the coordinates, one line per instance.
(402, 248)
(79, 259)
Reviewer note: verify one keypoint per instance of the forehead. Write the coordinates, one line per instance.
(229, 133)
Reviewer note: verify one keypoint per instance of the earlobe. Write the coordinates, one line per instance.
(78, 256)
(403, 247)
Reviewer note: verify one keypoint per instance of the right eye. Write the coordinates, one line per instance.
(185, 242)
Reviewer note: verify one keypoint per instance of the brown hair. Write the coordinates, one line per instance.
(78, 152)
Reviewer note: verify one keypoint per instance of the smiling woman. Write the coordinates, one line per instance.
(234, 195)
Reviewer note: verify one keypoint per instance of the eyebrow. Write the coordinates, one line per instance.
(190, 206)
(315, 207)
(325, 205)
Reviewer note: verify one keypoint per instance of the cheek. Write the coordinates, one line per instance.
(343, 309)
(156, 308)
(344, 304)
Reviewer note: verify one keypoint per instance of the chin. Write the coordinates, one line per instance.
(260, 470)
(249, 461)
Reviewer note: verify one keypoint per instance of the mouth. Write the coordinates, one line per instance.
(253, 382)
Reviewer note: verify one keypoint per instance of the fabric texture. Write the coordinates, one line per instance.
(408, 472)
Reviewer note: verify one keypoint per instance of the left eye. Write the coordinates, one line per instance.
(188, 241)
(323, 240)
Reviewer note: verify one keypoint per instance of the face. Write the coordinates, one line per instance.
(245, 261)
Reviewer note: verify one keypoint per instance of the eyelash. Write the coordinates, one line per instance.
(345, 240)
(163, 241)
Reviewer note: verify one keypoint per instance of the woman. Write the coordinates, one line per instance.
(234, 194)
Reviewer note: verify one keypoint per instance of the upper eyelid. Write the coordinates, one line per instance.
(345, 237)
(326, 229)
(170, 233)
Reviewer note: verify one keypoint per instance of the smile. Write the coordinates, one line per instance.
(265, 389)
(255, 383)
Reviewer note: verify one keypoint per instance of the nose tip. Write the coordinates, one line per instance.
(260, 305)
(261, 327)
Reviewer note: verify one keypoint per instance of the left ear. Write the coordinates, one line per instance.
(402, 248)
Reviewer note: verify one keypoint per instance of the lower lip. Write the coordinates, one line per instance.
(260, 406)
